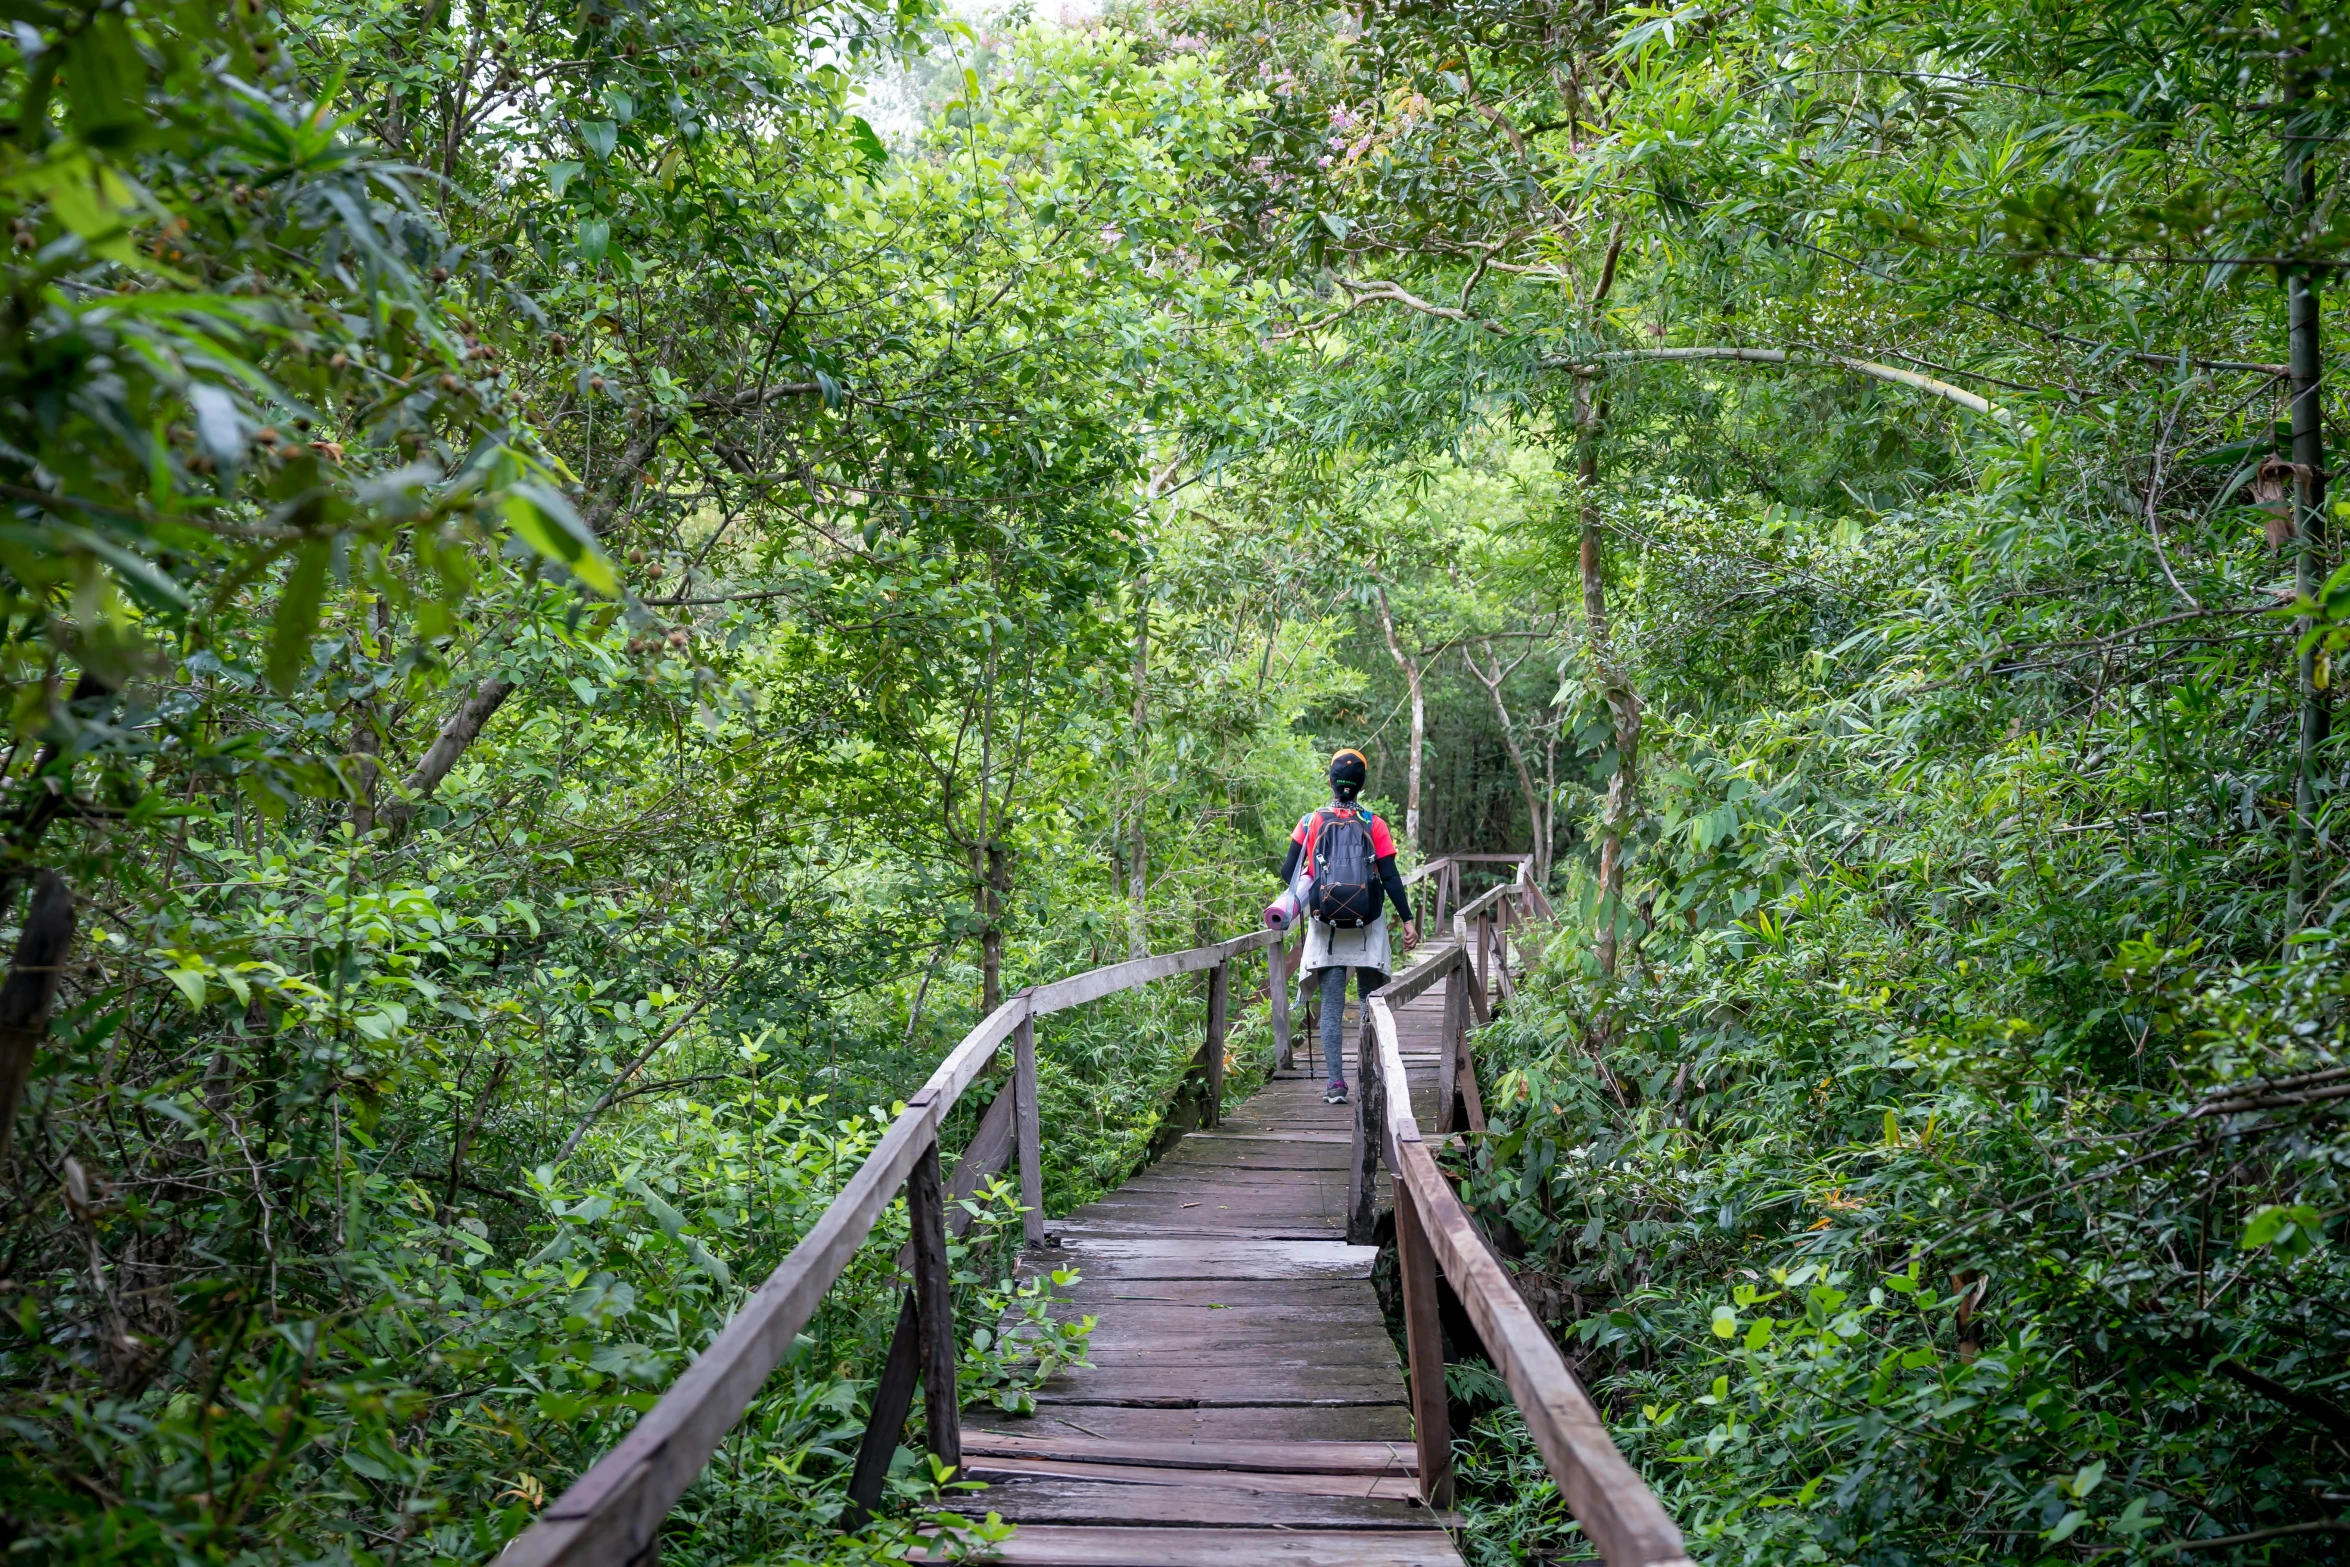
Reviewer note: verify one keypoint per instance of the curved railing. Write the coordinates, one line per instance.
(1434, 1234)
(611, 1516)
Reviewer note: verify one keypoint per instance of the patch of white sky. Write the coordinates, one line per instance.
(896, 99)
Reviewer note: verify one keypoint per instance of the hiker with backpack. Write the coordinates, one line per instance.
(1341, 871)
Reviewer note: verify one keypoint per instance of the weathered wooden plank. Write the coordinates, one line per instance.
(1347, 1458)
(1212, 1389)
(1274, 1356)
(1311, 1139)
(1217, 1259)
(1304, 1295)
(970, 1057)
(1079, 1545)
(1304, 1158)
(1394, 1099)
(1481, 905)
(1269, 1227)
(1242, 1331)
(1434, 962)
(1392, 1486)
(1354, 1422)
(1427, 868)
(1054, 1499)
(1347, 1321)
(1189, 1384)
(1094, 984)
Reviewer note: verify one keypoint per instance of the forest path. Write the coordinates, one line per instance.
(1246, 1402)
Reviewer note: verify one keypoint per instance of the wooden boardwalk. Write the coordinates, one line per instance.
(1245, 1402)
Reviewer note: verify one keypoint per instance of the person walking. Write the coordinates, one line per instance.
(1341, 866)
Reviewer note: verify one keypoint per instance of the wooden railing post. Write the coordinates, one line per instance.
(1277, 965)
(1219, 1002)
(893, 1400)
(934, 1303)
(1448, 1067)
(1362, 1174)
(1031, 1133)
(1424, 1342)
(1485, 954)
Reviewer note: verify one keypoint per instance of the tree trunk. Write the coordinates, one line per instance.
(458, 732)
(31, 987)
(1411, 676)
(1623, 704)
(366, 749)
(367, 737)
(996, 893)
(1138, 934)
(1509, 738)
(2309, 490)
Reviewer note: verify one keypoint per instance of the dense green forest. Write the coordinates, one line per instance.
(586, 587)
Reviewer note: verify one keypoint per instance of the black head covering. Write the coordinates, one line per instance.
(1347, 775)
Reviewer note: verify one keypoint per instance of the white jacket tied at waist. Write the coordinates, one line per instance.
(1327, 946)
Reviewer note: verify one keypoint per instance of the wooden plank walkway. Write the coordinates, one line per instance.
(1245, 1402)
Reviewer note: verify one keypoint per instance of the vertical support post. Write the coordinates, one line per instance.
(1029, 1136)
(1424, 1341)
(1472, 1101)
(934, 1302)
(1219, 1002)
(1277, 965)
(1485, 953)
(1362, 1175)
(893, 1400)
(1501, 942)
(1449, 1055)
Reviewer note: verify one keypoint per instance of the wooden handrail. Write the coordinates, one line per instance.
(611, 1516)
(1617, 1510)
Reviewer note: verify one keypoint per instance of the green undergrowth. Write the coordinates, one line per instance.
(1882, 1247)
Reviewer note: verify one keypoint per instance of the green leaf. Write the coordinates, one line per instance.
(296, 620)
(188, 983)
(2293, 1229)
(1725, 1322)
(560, 174)
(543, 519)
(594, 237)
(599, 136)
(868, 144)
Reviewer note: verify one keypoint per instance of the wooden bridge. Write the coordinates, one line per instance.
(1245, 1402)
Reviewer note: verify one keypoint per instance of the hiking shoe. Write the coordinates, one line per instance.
(1335, 1094)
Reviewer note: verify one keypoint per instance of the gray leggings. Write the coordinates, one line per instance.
(1333, 981)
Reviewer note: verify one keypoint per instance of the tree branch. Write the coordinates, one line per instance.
(457, 732)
